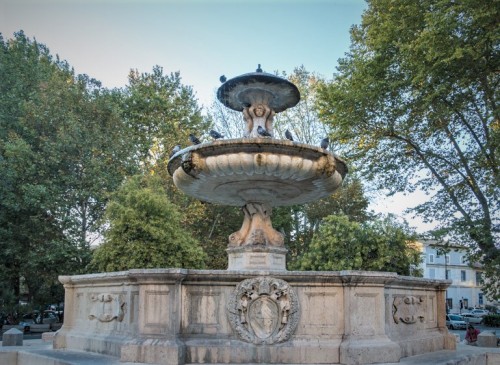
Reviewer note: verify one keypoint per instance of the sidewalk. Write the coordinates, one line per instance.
(35, 352)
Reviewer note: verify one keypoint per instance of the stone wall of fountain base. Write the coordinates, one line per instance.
(176, 316)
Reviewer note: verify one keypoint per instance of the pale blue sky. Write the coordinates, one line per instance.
(201, 39)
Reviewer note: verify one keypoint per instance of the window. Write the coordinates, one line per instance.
(431, 258)
(479, 279)
(466, 303)
(463, 275)
(449, 303)
(480, 297)
(447, 259)
(432, 273)
(448, 274)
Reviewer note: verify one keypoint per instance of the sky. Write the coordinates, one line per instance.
(202, 39)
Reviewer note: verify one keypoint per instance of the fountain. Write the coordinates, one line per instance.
(257, 173)
(256, 311)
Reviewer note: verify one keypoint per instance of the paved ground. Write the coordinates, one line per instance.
(464, 355)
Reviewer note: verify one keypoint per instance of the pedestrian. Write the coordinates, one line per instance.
(471, 335)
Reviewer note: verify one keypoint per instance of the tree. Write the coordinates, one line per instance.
(348, 200)
(145, 230)
(62, 150)
(415, 105)
(378, 245)
(302, 120)
(160, 112)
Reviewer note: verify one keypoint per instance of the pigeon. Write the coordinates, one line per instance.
(215, 134)
(176, 149)
(262, 132)
(258, 69)
(288, 135)
(193, 139)
(324, 143)
(222, 79)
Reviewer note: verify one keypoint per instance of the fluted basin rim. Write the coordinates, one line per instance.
(256, 170)
(280, 146)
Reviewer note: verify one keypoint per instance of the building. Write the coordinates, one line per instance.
(450, 262)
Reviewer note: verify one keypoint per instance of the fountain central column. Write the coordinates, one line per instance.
(257, 245)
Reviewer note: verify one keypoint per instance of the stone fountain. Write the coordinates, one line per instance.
(257, 173)
(256, 311)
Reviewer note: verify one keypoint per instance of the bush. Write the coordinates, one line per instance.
(492, 320)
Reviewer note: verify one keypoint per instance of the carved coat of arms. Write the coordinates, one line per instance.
(408, 309)
(107, 307)
(264, 310)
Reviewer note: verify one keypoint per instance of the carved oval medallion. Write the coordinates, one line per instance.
(263, 317)
(263, 310)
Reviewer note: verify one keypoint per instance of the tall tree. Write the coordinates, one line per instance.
(62, 151)
(145, 230)
(415, 105)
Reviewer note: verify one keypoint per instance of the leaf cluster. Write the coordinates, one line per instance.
(145, 230)
(376, 245)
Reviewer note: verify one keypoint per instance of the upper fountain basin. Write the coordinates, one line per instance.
(244, 170)
(258, 87)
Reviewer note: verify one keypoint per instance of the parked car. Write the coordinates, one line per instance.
(46, 317)
(454, 322)
(49, 317)
(479, 312)
(30, 317)
(471, 318)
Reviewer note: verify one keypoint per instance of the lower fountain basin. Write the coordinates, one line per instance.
(238, 171)
(178, 316)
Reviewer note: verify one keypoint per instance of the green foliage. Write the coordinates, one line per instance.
(212, 228)
(378, 245)
(415, 105)
(492, 320)
(145, 231)
(305, 220)
(160, 112)
(62, 150)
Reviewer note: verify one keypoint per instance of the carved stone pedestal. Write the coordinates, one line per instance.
(257, 257)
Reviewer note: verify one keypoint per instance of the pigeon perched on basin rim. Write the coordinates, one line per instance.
(193, 139)
(324, 143)
(262, 132)
(176, 149)
(215, 134)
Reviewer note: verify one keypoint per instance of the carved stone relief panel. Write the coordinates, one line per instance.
(263, 310)
(203, 311)
(367, 319)
(107, 307)
(408, 309)
(431, 308)
(322, 310)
